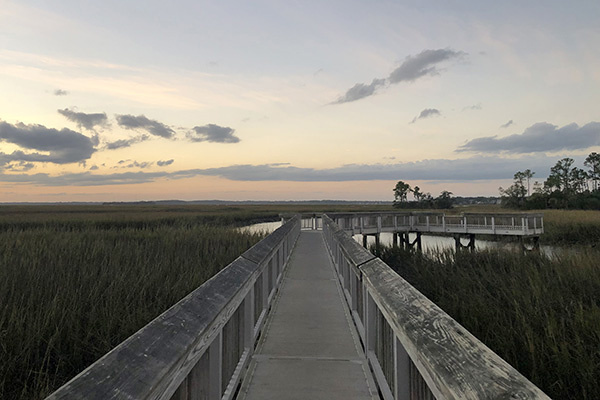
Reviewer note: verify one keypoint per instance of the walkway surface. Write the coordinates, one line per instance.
(309, 349)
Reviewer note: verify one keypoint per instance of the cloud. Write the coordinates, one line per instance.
(122, 143)
(94, 168)
(506, 125)
(60, 92)
(20, 166)
(87, 121)
(59, 147)
(212, 133)
(141, 122)
(422, 64)
(134, 164)
(165, 163)
(460, 170)
(413, 68)
(360, 90)
(540, 137)
(473, 107)
(427, 113)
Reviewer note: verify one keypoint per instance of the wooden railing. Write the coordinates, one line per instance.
(415, 349)
(515, 224)
(200, 347)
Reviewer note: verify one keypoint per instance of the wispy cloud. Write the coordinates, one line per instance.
(360, 91)
(123, 143)
(60, 92)
(165, 163)
(84, 120)
(59, 147)
(427, 113)
(506, 125)
(134, 164)
(474, 107)
(142, 122)
(540, 137)
(212, 133)
(21, 166)
(414, 67)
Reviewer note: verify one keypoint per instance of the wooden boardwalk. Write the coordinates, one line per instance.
(292, 318)
(310, 348)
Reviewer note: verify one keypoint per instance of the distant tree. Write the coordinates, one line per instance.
(567, 186)
(528, 174)
(593, 163)
(561, 175)
(514, 195)
(418, 194)
(444, 200)
(579, 180)
(401, 191)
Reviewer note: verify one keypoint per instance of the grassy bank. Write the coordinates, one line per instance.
(571, 227)
(541, 315)
(75, 283)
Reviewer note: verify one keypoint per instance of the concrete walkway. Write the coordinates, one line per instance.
(309, 349)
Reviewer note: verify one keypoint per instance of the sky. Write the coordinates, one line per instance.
(296, 100)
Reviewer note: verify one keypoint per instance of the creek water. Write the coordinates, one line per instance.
(430, 243)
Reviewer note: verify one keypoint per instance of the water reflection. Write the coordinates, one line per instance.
(262, 227)
(432, 243)
(429, 243)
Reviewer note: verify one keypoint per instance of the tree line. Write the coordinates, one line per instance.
(567, 186)
(421, 199)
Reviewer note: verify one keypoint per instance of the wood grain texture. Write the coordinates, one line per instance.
(454, 363)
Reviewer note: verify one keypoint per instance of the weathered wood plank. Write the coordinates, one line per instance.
(454, 363)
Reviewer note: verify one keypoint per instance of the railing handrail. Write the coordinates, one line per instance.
(520, 224)
(449, 359)
(189, 340)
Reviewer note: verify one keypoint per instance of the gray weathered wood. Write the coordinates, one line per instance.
(454, 363)
(155, 362)
(432, 354)
(508, 224)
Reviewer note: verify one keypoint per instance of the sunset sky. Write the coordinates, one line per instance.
(291, 100)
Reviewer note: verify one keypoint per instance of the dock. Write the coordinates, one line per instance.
(310, 348)
(307, 313)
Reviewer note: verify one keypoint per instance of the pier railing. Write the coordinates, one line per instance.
(200, 347)
(414, 348)
(515, 224)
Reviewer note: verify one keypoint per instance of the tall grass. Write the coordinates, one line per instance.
(572, 227)
(74, 285)
(541, 315)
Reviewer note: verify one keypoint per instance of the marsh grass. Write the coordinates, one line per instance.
(572, 227)
(541, 315)
(74, 285)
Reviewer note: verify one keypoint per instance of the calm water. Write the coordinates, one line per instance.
(430, 243)
(267, 227)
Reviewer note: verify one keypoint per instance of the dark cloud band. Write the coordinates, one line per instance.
(461, 170)
(540, 137)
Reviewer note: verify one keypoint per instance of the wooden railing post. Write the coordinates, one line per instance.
(249, 321)
(402, 372)
(370, 322)
(215, 367)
